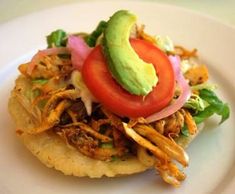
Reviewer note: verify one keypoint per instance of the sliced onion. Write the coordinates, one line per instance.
(42, 53)
(180, 101)
(79, 51)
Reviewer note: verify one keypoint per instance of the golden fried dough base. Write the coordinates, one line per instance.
(52, 151)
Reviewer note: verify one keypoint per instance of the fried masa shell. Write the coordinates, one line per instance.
(52, 151)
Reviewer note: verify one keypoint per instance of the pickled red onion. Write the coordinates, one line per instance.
(42, 53)
(79, 51)
(180, 101)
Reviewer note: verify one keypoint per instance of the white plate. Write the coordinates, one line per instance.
(212, 159)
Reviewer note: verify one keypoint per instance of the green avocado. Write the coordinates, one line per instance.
(131, 72)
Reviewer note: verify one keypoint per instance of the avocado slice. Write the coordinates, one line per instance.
(131, 72)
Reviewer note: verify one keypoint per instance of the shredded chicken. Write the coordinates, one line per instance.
(72, 115)
(48, 67)
(88, 140)
(114, 120)
(96, 125)
(165, 144)
(142, 35)
(90, 131)
(171, 126)
(192, 127)
(145, 143)
(66, 94)
(185, 53)
(167, 169)
(54, 108)
(170, 173)
(52, 119)
(86, 143)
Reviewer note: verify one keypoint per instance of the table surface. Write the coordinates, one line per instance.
(223, 10)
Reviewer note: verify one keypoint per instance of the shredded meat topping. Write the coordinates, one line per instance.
(86, 143)
(104, 135)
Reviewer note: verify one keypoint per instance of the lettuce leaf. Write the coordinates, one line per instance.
(40, 81)
(57, 38)
(196, 103)
(92, 38)
(184, 131)
(165, 43)
(202, 86)
(216, 106)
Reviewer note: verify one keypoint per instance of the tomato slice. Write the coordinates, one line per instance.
(109, 93)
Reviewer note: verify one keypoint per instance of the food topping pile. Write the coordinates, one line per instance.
(119, 91)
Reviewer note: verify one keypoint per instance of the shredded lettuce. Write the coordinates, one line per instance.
(57, 38)
(196, 103)
(165, 43)
(205, 105)
(31, 94)
(202, 86)
(36, 93)
(92, 38)
(115, 158)
(41, 81)
(215, 106)
(185, 131)
(86, 96)
(106, 145)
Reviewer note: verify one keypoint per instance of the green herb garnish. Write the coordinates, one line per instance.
(57, 39)
(40, 81)
(216, 106)
(185, 131)
(106, 145)
(92, 38)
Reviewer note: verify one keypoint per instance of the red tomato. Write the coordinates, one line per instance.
(109, 93)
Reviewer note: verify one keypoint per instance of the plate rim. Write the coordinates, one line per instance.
(199, 14)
